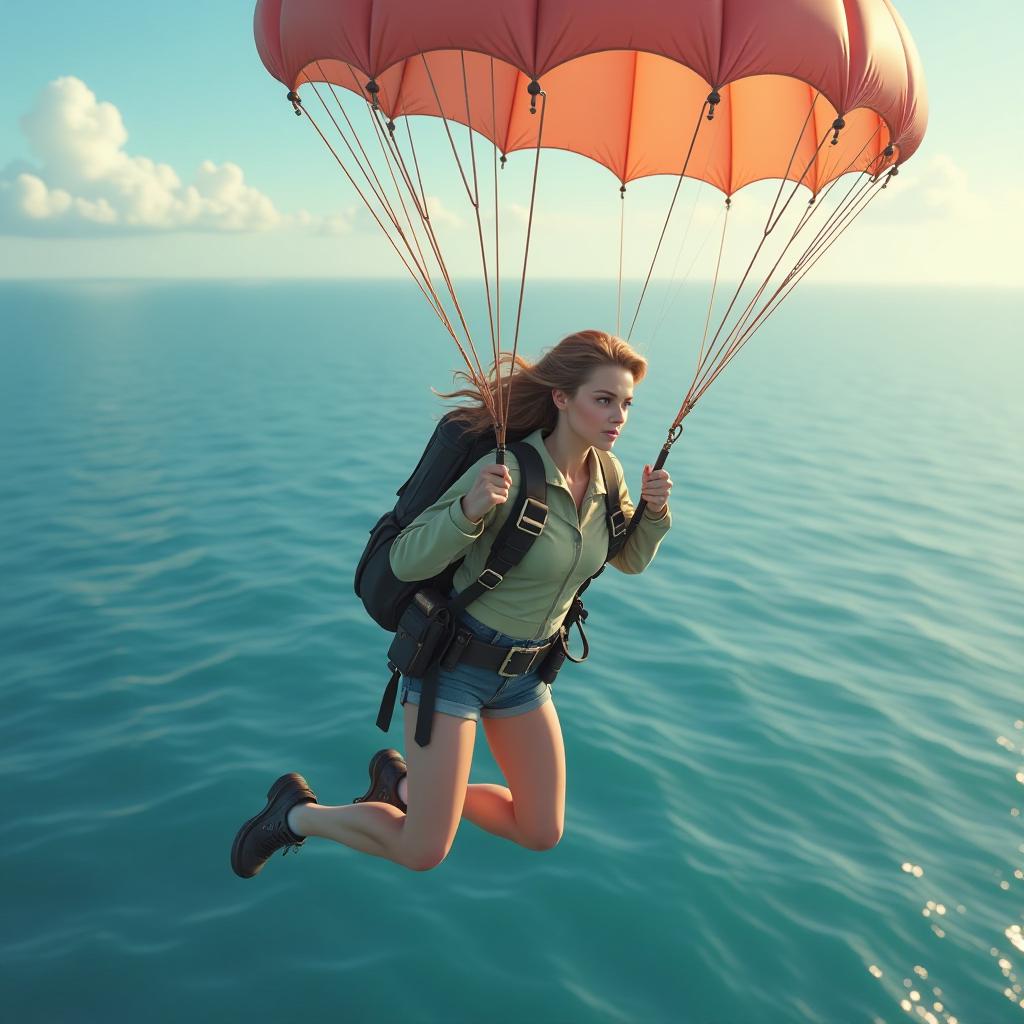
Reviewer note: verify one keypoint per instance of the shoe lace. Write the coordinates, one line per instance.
(274, 838)
(292, 847)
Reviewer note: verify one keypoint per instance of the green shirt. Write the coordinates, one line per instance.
(534, 597)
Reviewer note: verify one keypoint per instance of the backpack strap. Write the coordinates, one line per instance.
(618, 533)
(516, 536)
(613, 510)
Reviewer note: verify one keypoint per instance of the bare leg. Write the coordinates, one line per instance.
(420, 840)
(529, 751)
(490, 807)
(487, 806)
(374, 828)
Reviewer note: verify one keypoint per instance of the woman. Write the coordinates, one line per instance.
(577, 398)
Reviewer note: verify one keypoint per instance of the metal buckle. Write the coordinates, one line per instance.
(490, 586)
(618, 523)
(508, 658)
(536, 526)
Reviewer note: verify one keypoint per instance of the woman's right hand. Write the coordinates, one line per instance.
(491, 488)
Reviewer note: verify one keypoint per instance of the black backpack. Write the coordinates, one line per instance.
(419, 612)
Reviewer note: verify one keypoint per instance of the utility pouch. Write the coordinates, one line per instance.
(422, 633)
(553, 660)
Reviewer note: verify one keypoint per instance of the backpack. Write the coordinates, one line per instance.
(419, 612)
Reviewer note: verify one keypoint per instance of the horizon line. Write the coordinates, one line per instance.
(384, 279)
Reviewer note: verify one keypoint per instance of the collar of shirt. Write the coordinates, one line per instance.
(554, 475)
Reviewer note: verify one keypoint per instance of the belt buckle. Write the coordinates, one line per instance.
(508, 657)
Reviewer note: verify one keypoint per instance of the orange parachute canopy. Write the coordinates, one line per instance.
(627, 75)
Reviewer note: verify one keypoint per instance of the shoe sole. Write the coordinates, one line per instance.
(272, 794)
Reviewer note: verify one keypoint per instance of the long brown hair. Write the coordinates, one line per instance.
(567, 367)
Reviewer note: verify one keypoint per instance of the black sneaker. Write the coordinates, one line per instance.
(265, 833)
(387, 767)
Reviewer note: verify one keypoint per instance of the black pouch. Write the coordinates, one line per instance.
(422, 633)
(554, 659)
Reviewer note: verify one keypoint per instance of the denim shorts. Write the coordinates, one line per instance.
(470, 692)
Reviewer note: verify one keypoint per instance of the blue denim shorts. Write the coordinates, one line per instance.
(470, 692)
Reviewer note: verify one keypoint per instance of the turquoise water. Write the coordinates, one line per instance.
(795, 755)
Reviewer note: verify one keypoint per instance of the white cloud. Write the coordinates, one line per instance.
(439, 214)
(938, 188)
(87, 184)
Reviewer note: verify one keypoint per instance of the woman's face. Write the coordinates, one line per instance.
(599, 411)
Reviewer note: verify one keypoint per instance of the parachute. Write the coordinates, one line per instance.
(825, 96)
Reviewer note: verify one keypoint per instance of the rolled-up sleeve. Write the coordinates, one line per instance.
(440, 534)
(643, 543)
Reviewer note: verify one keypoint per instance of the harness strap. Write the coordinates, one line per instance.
(618, 534)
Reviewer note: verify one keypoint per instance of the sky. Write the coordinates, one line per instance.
(139, 143)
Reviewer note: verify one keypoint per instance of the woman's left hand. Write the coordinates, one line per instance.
(655, 488)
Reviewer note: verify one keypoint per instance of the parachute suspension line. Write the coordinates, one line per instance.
(534, 90)
(714, 284)
(474, 200)
(393, 156)
(834, 220)
(815, 202)
(421, 206)
(386, 139)
(421, 262)
(830, 164)
(828, 226)
(375, 185)
(387, 142)
(792, 281)
(865, 196)
(421, 266)
(770, 226)
(378, 189)
(727, 348)
(428, 296)
(670, 298)
(497, 247)
(351, 127)
(444, 118)
(839, 220)
(708, 108)
(480, 234)
(622, 234)
(741, 321)
(846, 211)
(425, 214)
(732, 340)
(416, 164)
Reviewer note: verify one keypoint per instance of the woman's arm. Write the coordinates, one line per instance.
(643, 543)
(441, 534)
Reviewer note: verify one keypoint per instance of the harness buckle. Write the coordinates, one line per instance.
(496, 575)
(618, 522)
(508, 658)
(529, 524)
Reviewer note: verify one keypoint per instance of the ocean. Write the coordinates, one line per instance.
(795, 755)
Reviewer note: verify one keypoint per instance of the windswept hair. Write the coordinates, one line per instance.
(567, 367)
